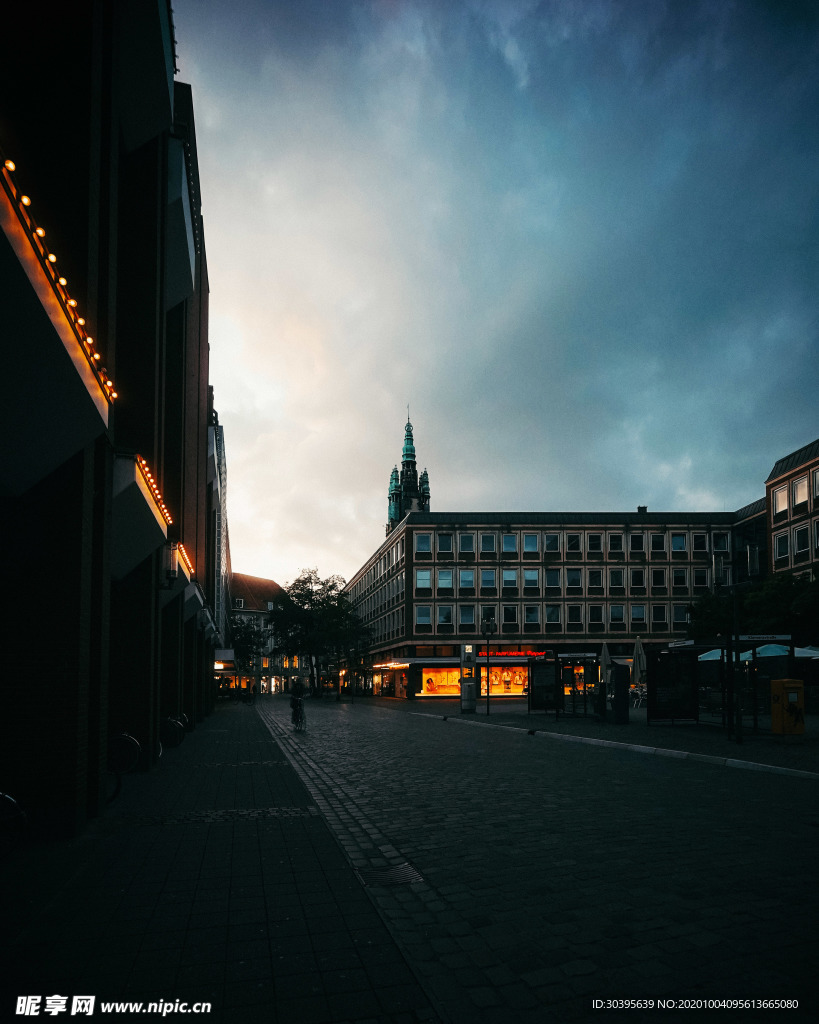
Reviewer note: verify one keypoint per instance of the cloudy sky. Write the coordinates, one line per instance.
(579, 238)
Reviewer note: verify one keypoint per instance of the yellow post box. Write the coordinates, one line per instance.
(788, 707)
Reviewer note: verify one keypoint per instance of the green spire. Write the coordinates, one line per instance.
(408, 455)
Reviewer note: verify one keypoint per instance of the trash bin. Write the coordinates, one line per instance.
(787, 707)
(468, 696)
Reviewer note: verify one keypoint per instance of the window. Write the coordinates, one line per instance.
(616, 578)
(678, 542)
(423, 542)
(238, 602)
(595, 613)
(574, 578)
(800, 490)
(658, 577)
(444, 579)
(510, 543)
(487, 577)
(444, 614)
(658, 542)
(553, 577)
(574, 613)
(423, 579)
(467, 615)
(445, 543)
(658, 615)
(636, 542)
(638, 614)
(781, 546)
(466, 578)
(638, 577)
(700, 541)
(595, 542)
(616, 613)
(680, 612)
(700, 577)
(466, 543)
(595, 577)
(720, 542)
(487, 543)
(551, 542)
(573, 542)
(780, 500)
(510, 577)
(530, 578)
(816, 483)
(531, 614)
(679, 577)
(530, 543)
(510, 614)
(801, 540)
(423, 616)
(552, 613)
(615, 542)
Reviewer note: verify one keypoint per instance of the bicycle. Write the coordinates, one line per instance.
(299, 715)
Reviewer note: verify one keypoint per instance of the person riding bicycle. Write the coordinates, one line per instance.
(296, 697)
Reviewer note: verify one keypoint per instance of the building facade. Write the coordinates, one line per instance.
(559, 583)
(106, 504)
(792, 496)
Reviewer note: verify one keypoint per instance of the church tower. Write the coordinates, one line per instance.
(407, 493)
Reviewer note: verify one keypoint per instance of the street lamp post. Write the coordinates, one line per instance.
(488, 629)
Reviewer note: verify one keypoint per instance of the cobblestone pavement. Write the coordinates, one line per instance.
(525, 878)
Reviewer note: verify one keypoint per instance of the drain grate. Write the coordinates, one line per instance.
(228, 815)
(390, 875)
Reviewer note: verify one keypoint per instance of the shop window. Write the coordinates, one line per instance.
(510, 614)
(487, 577)
(510, 544)
(445, 543)
(800, 491)
(444, 614)
(423, 579)
(530, 543)
(678, 542)
(423, 615)
(530, 577)
(616, 578)
(658, 577)
(615, 542)
(551, 543)
(638, 614)
(679, 578)
(595, 577)
(781, 546)
(552, 613)
(441, 682)
(466, 578)
(510, 577)
(466, 543)
(573, 542)
(720, 542)
(659, 615)
(423, 543)
(700, 541)
(445, 579)
(531, 614)
(595, 542)
(658, 542)
(638, 577)
(636, 542)
(466, 615)
(553, 577)
(487, 543)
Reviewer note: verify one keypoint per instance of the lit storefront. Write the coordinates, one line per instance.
(441, 676)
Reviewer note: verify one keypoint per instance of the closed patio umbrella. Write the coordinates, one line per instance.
(638, 664)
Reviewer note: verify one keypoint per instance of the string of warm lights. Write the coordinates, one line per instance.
(148, 477)
(185, 558)
(48, 260)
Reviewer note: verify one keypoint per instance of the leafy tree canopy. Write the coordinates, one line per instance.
(248, 637)
(782, 604)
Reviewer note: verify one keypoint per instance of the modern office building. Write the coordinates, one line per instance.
(107, 509)
(553, 582)
(792, 495)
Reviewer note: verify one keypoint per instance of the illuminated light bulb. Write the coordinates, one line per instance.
(71, 302)
(52, 258)
(11, 165)
(40, 232)
(81, 321)
(25, 200)
(114, 394)
(62, 281)
(96, 355)
(89, 340)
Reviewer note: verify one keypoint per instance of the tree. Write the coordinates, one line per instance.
(313, 619)
(782, 604)
(248, 637)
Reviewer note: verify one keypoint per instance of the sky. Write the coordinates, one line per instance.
(577, 238)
